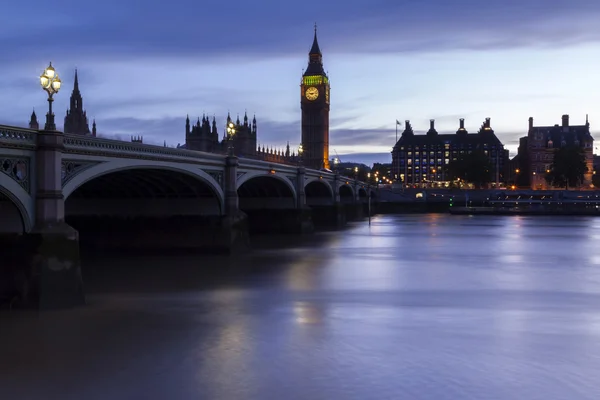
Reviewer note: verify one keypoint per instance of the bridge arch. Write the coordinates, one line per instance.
(269, 201)
(318, 192)
(16, 207)
(346, 192)
(362, 193)
(106, 168)
(137, 206)
(255, 175)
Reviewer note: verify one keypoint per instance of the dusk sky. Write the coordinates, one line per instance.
(144, 65)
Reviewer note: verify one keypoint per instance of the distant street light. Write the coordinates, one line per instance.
(355, 172)
(230, 134)
(336, 161)
(51, 84)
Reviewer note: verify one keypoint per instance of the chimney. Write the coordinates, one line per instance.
(407, 123)
(462, 123)
(530, 123)
(487, 122)
(565, 120)
(432, 124)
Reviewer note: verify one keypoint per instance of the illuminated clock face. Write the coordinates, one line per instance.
(312, 93)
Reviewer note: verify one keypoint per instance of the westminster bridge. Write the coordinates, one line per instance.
(59, 192)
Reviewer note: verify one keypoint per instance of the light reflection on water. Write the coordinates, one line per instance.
(416, 307)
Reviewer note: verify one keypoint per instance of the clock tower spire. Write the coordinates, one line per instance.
(314, 102)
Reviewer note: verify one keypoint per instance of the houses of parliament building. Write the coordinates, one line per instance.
(240, 137)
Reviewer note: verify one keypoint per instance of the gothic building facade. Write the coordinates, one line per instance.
(418, 159)
(76, 120)
(239, 137)
(314, 103)
(203, 135)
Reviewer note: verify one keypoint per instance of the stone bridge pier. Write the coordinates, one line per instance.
(41, 261)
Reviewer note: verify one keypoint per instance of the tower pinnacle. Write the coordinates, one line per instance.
(76, 84)
(76, 119)
(315, 50)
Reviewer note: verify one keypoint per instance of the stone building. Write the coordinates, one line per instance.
(536, 152)
(420, 159)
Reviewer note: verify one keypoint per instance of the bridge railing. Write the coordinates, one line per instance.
(99, 146)
(13, 136)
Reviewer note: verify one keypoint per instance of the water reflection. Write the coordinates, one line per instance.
(414, 306)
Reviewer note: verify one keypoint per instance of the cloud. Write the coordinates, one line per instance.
(241, 30)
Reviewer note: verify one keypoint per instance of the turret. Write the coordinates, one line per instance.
(530, 123)
(33, 122)
(76, 118)
(187, 125)
(94, 127)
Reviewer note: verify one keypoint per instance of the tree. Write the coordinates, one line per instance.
(473, 167)
(568, 167)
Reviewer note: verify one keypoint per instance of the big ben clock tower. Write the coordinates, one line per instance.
(314, 102)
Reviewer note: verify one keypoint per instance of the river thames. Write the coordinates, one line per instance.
(431, 306)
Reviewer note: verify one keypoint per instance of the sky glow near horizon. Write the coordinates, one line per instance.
(505, 60)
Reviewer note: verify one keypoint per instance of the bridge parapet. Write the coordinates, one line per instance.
(117, 148)
(12, 136)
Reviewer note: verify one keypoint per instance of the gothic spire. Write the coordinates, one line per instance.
(76, 119)
(33, 122)
(315, 46)
(315, 59)
(76, 84)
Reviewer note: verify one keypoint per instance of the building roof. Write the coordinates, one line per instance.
(569, 134)
(485, 135)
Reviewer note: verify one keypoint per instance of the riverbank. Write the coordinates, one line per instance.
(523, 211)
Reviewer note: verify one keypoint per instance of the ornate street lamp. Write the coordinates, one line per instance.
(300, 151)
(51, 84)
(230, 134)
(336, 161)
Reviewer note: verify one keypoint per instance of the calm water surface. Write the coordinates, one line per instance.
(413, 307)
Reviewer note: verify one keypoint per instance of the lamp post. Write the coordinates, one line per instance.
(51, 84)
(355, 173)
(336, 161)
(230, 134)
(300, 151)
